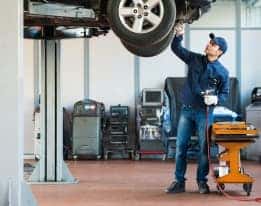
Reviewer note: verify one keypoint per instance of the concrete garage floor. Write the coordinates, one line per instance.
(137, 183)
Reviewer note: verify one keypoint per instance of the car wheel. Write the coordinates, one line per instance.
(139, 22)
(152, 49)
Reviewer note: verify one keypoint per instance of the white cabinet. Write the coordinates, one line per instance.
(253, 116)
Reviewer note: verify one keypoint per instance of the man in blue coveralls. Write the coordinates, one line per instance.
(205, 73)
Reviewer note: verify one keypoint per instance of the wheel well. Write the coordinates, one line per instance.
(103, 6)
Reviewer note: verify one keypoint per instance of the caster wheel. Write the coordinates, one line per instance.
(131, 155)
(164, 157)
(220, 187)
(75, 157)
(247, 187)
(106, 156)
(98, 157)
(137, 156)
(216, 173)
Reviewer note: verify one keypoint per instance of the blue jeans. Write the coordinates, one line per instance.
(191, 119)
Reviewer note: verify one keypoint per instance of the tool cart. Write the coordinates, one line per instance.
(233, 136)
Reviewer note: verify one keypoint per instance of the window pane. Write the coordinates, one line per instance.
(251, 13)
(222, 14)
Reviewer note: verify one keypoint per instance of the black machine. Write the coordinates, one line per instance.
(150, 107)
(88, 118)
(149, 123)
(152, 97)
(118, 124)
(256, 95)
(117, 137)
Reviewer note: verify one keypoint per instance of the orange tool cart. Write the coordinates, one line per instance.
(233, 136)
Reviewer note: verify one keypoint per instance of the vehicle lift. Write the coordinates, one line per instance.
(51, 167)
(233, 136)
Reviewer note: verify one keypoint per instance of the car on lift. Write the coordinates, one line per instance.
(145, 27)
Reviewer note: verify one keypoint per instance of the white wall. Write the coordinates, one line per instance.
(200, 38)
(72, 61)
(221, 14)
(28, 96)
(154, 70)
(72, 64)
(111, 72)
(251, 68)
(11, 104)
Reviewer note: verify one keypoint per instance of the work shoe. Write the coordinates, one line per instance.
(176, 187)
(203, 188)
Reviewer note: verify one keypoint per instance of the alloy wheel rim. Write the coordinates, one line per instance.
(141, 16)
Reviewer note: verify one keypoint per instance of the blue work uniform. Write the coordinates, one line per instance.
(202, 75)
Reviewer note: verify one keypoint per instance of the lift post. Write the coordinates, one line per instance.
(51, 167)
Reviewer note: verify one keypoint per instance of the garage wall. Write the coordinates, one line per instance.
(250, 63)
(154, 70)
(111, 70)
(72, 82)
(222, 14)
(28, 96)
(200, 38)
(72, 78)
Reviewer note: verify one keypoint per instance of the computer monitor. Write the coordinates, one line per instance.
(152, 97)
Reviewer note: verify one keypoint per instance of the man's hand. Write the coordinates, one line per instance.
(179, 29)
(210, 100)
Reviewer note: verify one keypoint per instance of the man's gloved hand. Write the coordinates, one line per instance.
(179, 29)
(210, 100)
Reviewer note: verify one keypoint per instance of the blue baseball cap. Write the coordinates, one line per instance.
(220, 41)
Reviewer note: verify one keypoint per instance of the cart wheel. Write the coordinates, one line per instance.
(220, 187)
(216, 173)
(164, 157)
(75, 157)
(106, 156)
(137, 156)
(247, 188)
(242, 170)
(131, 155)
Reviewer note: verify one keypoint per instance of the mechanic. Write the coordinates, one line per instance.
(205, 73)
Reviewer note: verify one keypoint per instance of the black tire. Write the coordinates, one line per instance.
(216, 173)
(152, 49)
(156, 34)
(247, 188)
(221, 187)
